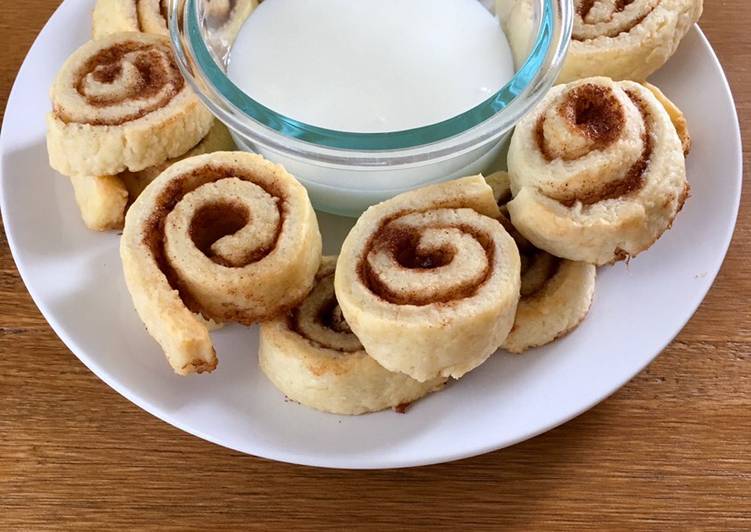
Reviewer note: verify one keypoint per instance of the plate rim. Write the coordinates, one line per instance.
(348, 463)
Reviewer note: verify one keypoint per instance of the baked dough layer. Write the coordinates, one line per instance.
(101, 200)
(114, 16)
(676, 116)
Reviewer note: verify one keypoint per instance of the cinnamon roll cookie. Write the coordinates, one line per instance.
(120, 103)
(555, 293)
(429, 280)
(103, 200)
(151, 16)
(312, 356)
(626, 39)
(597, 171)
(228, 236)
(116, 16)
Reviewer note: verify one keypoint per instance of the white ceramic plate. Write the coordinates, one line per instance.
(76, 280)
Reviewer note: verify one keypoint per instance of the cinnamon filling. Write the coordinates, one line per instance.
(163, 9)
(595, 113)
(208, 225)
(590, 110)
(107, 65)
(601, 122)
(402, 243)
(107, 73)
(620, 5)
(293, 324)
(583, 8)
(329, 316)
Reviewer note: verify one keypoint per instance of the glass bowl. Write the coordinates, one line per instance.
(346, 172)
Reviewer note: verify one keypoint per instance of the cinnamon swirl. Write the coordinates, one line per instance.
(429, 281)
(555, 293)
(313, 358)
(626, 39)
(120, 103)
(103, 200)
(597, 171)
(227, 235)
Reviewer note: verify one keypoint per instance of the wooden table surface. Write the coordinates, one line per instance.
(671, 450)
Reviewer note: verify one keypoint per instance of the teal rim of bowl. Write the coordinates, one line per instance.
(392, 140)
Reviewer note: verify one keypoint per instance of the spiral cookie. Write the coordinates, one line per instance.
(227, 235)
(626, 39)
(312, 357)
(120, 103)
(103, 200)
(597, 171)
(555, 293)
(429, 281)
(115, 16)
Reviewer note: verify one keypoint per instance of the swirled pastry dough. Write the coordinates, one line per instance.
(429, 281)
(228, 236)
(597, 171)
(120, 103)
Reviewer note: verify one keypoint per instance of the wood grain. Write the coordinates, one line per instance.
(671, 450)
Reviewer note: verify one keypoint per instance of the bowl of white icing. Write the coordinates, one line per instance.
(364, 99)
